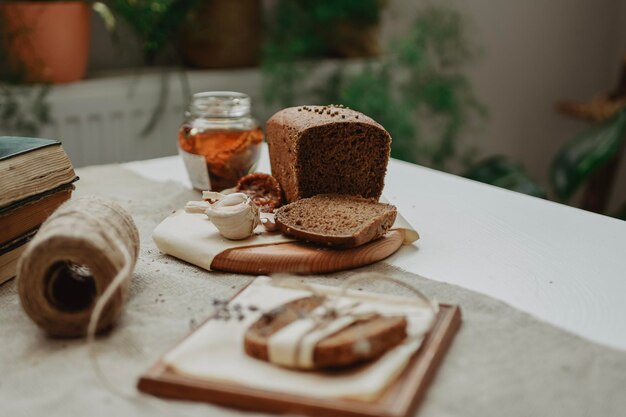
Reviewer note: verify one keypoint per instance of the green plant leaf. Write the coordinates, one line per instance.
(505, 173)
(580, 157)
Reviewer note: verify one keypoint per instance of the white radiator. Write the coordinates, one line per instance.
(100, 120)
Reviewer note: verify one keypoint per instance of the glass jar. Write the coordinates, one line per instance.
(219, 141)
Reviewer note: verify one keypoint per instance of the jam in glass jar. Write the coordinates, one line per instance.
(219, 141)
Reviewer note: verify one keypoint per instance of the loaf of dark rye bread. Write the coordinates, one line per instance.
(336, 220)
(327, 149)
(362, 341)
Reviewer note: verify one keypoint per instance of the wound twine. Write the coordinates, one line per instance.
(85, 251)
(74, 276)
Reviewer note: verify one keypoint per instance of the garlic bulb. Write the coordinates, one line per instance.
(235, 215)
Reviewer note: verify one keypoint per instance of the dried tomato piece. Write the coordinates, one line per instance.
(264, 190)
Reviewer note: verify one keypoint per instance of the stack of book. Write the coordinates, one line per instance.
(36, 177)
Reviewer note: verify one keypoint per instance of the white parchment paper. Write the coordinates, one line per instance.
(215, 350)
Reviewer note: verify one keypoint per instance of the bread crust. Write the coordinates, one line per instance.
(375, 228)
(381, 334)
(353, 144)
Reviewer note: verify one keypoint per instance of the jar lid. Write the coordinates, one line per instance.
(220, 104)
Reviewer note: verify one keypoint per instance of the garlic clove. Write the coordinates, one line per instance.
(268, 221)
(197, 207)
(235, 216)
(212, 195)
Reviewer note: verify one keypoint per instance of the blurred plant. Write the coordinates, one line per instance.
(590, 159)
(298, 30)
(155, 22)
(23, 109)
(418, 91)
(435, 56)
(505, 173)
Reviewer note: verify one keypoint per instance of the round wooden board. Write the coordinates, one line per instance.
(303, 258)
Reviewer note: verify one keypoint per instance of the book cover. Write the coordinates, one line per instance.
(11, 146)
(30, 167)
(31, 213)
(11, 207)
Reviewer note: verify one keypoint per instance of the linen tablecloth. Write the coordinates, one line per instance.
(502, 363)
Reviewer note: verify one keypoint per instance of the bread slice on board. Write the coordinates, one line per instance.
(380, 334)
(336, 220)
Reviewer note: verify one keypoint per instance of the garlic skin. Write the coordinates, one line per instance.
(235, 216)
(197, 207)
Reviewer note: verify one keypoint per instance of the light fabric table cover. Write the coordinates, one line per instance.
(503, 362)
(561, 264)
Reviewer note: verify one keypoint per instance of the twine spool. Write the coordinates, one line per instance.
(84, 247)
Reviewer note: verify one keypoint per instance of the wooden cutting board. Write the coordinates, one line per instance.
(401, 399)
(303, 258)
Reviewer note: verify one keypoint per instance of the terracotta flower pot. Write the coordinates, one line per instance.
(47, 42)
(222, 34)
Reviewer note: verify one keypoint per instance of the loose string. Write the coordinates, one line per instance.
(332, 311)
(96, 314)
(94, 318)
(92, 327)
(431, 303)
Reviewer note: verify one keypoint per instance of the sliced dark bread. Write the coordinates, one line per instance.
(377, 334)
(336, 220)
